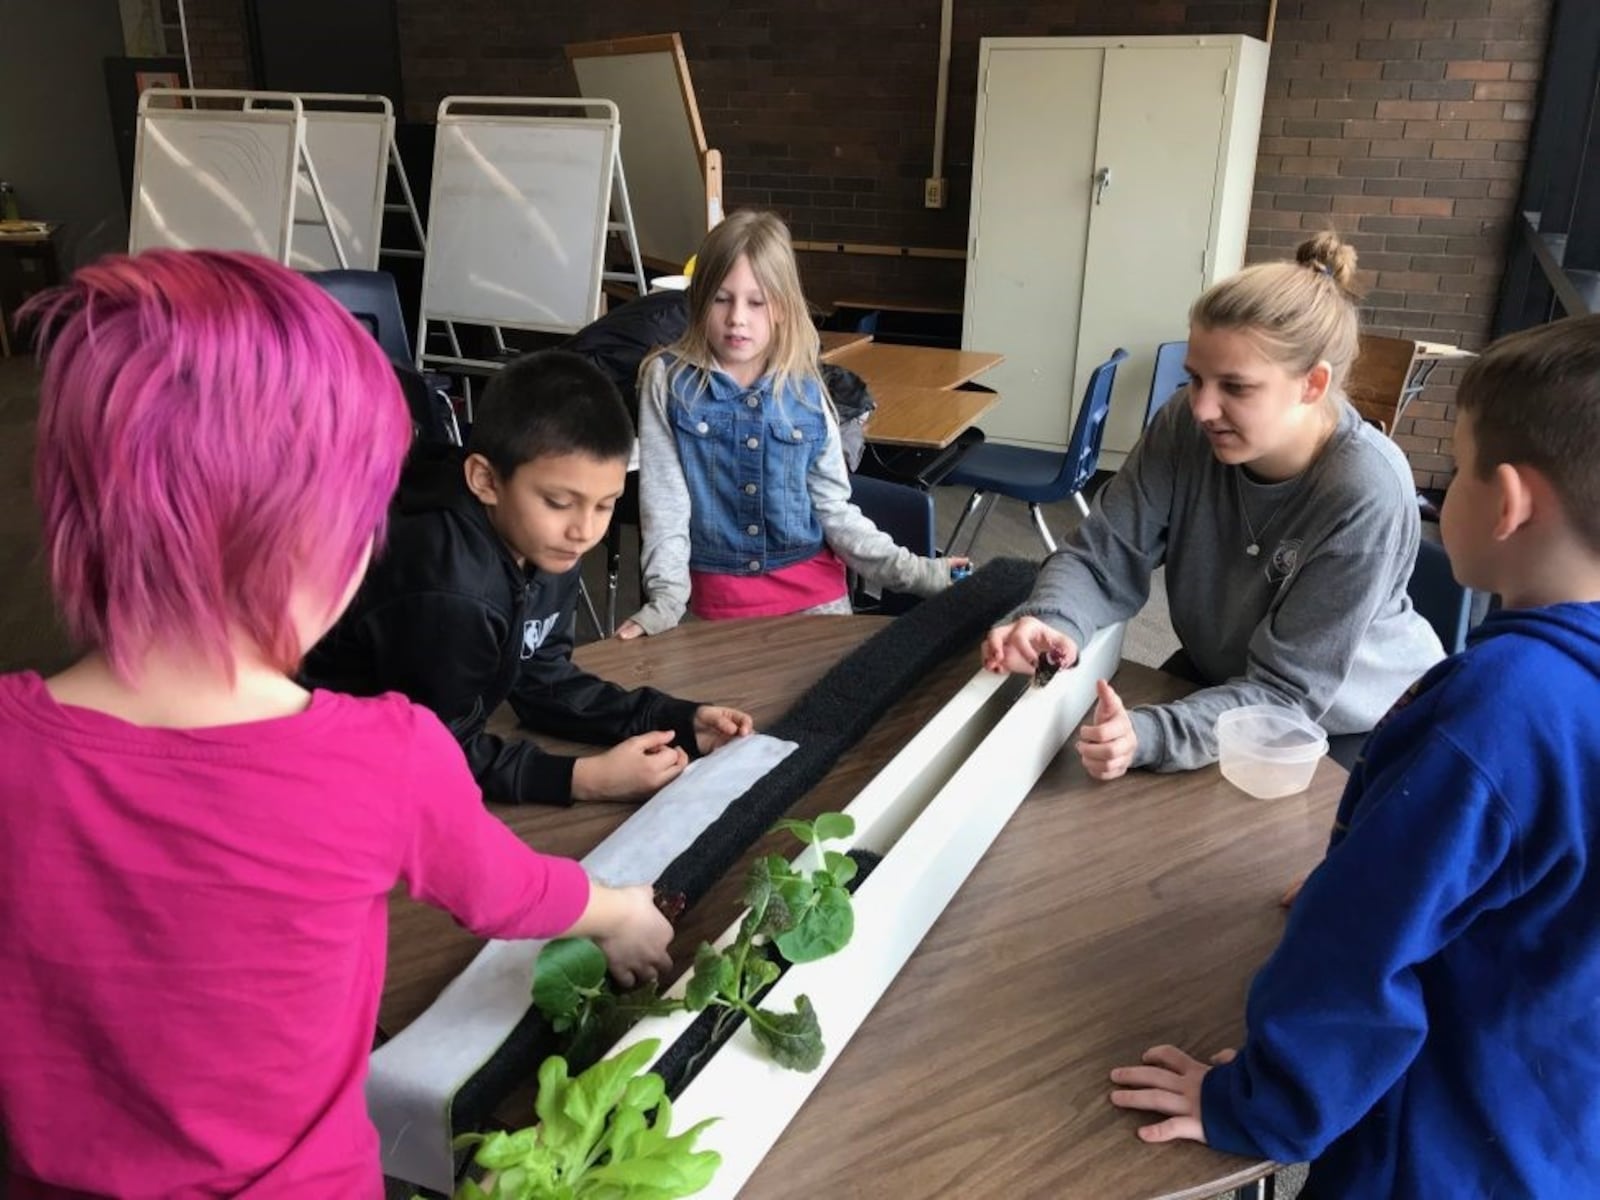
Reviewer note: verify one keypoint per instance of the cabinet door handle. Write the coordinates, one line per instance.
(1102, 180)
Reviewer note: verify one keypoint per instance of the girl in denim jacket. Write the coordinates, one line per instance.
(744, 496)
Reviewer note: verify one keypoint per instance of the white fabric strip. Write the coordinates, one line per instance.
(414, 1076)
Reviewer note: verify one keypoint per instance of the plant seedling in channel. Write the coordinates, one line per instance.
(596, 1140)
(798, 915)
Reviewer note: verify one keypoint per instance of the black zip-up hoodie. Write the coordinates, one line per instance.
(447, 617)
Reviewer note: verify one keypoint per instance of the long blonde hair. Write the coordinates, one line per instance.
(763, 239)
(1300, 313)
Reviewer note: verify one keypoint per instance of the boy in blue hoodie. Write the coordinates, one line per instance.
(1430, 1023)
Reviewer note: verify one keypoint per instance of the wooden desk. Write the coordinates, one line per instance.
(925, 417)
(1104, 919)
(917, 366)
(837, 341)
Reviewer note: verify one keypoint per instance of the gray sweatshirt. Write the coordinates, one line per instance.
(1318, 619)
(664, 516)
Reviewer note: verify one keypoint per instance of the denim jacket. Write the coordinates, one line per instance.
(745, 455)
(734, 480)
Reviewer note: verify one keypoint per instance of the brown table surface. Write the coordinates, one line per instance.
(836, 341)
(927, 417)
(1106, 918)
(919, 366)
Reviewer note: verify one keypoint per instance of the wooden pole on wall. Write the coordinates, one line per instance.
(1272, 20)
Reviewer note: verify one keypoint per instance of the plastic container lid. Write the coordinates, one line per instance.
(1268, 750)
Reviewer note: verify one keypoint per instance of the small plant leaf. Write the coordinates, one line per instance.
(800, 829)
(759, 972)
(793, 1039)
(841, 866)
(566, 973)
(713, 976)
(823, 929)
(831, 826)
(778, 917)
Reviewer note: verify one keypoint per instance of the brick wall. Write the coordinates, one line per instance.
(217, 43)
(1401, 123)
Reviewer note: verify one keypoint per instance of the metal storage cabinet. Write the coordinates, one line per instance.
(1111, 183)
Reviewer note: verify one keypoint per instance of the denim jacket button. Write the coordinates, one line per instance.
(752, 530)
(702, 428)
(796, 435)
(753, 443)
(754, 401)
(755, 564)
(749, 489)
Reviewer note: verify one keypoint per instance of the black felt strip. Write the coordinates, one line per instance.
(840, 707)
(832, 716)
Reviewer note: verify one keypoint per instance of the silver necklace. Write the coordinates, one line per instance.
(1254, 548)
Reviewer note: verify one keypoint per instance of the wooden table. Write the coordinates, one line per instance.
(1106, 918)
(917, 366)
(836, 341)
(914, 388)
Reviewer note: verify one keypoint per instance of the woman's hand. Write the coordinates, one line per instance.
(629, 630)
(1019, 646)
(1107, 746)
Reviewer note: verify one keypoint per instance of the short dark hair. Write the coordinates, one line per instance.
(545, 403)
(1535, 399)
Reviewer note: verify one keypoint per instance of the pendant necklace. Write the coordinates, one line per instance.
(1254, 548)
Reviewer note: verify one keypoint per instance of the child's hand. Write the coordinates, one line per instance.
(1169, 1084)
(960, 568)
(1019, 646)
(629, 630)
(715, 726)
(629, 929)
(1288, 898)
(1107, 746)
(632, 770)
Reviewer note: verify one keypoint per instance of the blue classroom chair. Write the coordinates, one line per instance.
(1169, 376)
(1038, 477)
(905, 513)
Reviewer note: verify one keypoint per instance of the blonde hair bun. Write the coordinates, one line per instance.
(1324, 252)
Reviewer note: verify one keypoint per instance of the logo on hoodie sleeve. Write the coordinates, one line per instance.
(534, 632)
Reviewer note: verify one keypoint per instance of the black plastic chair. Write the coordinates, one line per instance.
(1039, 477)
(372, 299)
(906, 514)
(1443, 603)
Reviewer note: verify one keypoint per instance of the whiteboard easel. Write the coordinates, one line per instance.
(676, 181)
(350, 140)
(219, 179)
(521, 209)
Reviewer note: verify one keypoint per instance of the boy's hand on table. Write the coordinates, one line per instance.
(1019, 646)
(1108, 743)
(716, 726)
(629, 630)
(632, 770)
(629, 929)
(1169, 1084)
(1288, 897)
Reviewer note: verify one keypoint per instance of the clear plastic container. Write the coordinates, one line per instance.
(1269, 751)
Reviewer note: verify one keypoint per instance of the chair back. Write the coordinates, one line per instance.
(1443, 603)
(1169, 377)
(1083, 451)
(905, 514)
(372, 298)
(1378, 378)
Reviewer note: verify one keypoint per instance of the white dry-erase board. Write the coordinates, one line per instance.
(663, 144)
(517, 221)
(214, 179)
(350, 150)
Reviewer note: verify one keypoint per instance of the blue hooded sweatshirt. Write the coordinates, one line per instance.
(1430, 1023)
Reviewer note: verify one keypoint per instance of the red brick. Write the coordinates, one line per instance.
(1423, 206)
(1408, 110)
(1477, 70)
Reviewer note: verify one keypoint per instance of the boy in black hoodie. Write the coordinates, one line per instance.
(473, 601)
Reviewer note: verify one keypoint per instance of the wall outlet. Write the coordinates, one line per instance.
(933, 193)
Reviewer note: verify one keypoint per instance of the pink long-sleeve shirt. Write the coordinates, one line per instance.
(193, 927)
